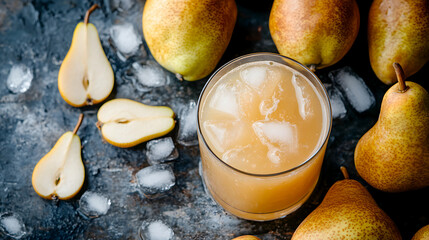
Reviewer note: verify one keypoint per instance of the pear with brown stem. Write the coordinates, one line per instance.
(393, 156)
(60, 173)
(85, 76)
(348, 211)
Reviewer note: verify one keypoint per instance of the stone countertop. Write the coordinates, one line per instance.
(38, 34)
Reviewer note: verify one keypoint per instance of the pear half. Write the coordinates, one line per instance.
(85, 76)
(60, 173)
(126, 123)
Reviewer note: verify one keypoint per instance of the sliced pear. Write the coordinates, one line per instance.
(85, 76)
(126, 123)
(60, 173)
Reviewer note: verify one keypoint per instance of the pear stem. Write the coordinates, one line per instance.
(312, 67)
(98, 125)
(179, 76)
(90, 10)
(400, 75)
(344, 171)
(79, 122)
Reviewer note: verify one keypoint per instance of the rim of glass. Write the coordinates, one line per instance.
(329, 114)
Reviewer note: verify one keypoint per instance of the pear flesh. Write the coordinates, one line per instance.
(85, 76)
(398, 31)
(126, 123)
(316, 33)
(60, 173)
(393, 156)
(188, 37)
(348, 211)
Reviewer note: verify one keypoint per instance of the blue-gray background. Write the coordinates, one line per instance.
(38, 34)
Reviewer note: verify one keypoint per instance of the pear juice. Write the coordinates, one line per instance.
(263, 128)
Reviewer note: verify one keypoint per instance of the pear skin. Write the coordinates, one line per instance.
(348, 211)
(422, 234)
(125, 123)
(398, 31)
(60, 173)
(85, 76)
(317, 33)
(188, 37)
(393, 156)
(246, 237)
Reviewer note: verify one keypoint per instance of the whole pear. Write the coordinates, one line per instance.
(348, 211)
(317, 33)
(188, 37)
(393, 156)
(398, 31)
(422, 234)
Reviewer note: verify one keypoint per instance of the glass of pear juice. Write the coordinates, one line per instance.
(263, 125)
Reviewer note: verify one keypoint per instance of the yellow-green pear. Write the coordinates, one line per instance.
(317, 33)
(348, 211)
(422, 234)
(60, 173)
(126, 123)
(398, 31)
(85, 76)
(393, 156)
(188, 37)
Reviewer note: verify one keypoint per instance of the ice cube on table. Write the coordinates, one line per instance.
(337, 104)
(156, 179)
(225, 101)
(187, 134)
(161, 150)
(93, 204)
(155, 230)
(254, 76)
(11, 225)
(276, 133)
(354, 88)
(125, 38)
(19, 79)
(123, 5)
(149, 75)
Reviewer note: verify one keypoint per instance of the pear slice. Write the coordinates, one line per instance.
(85, 76)
(60, 173)
(126, 123)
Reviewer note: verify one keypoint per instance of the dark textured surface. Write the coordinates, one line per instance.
(38, 34)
